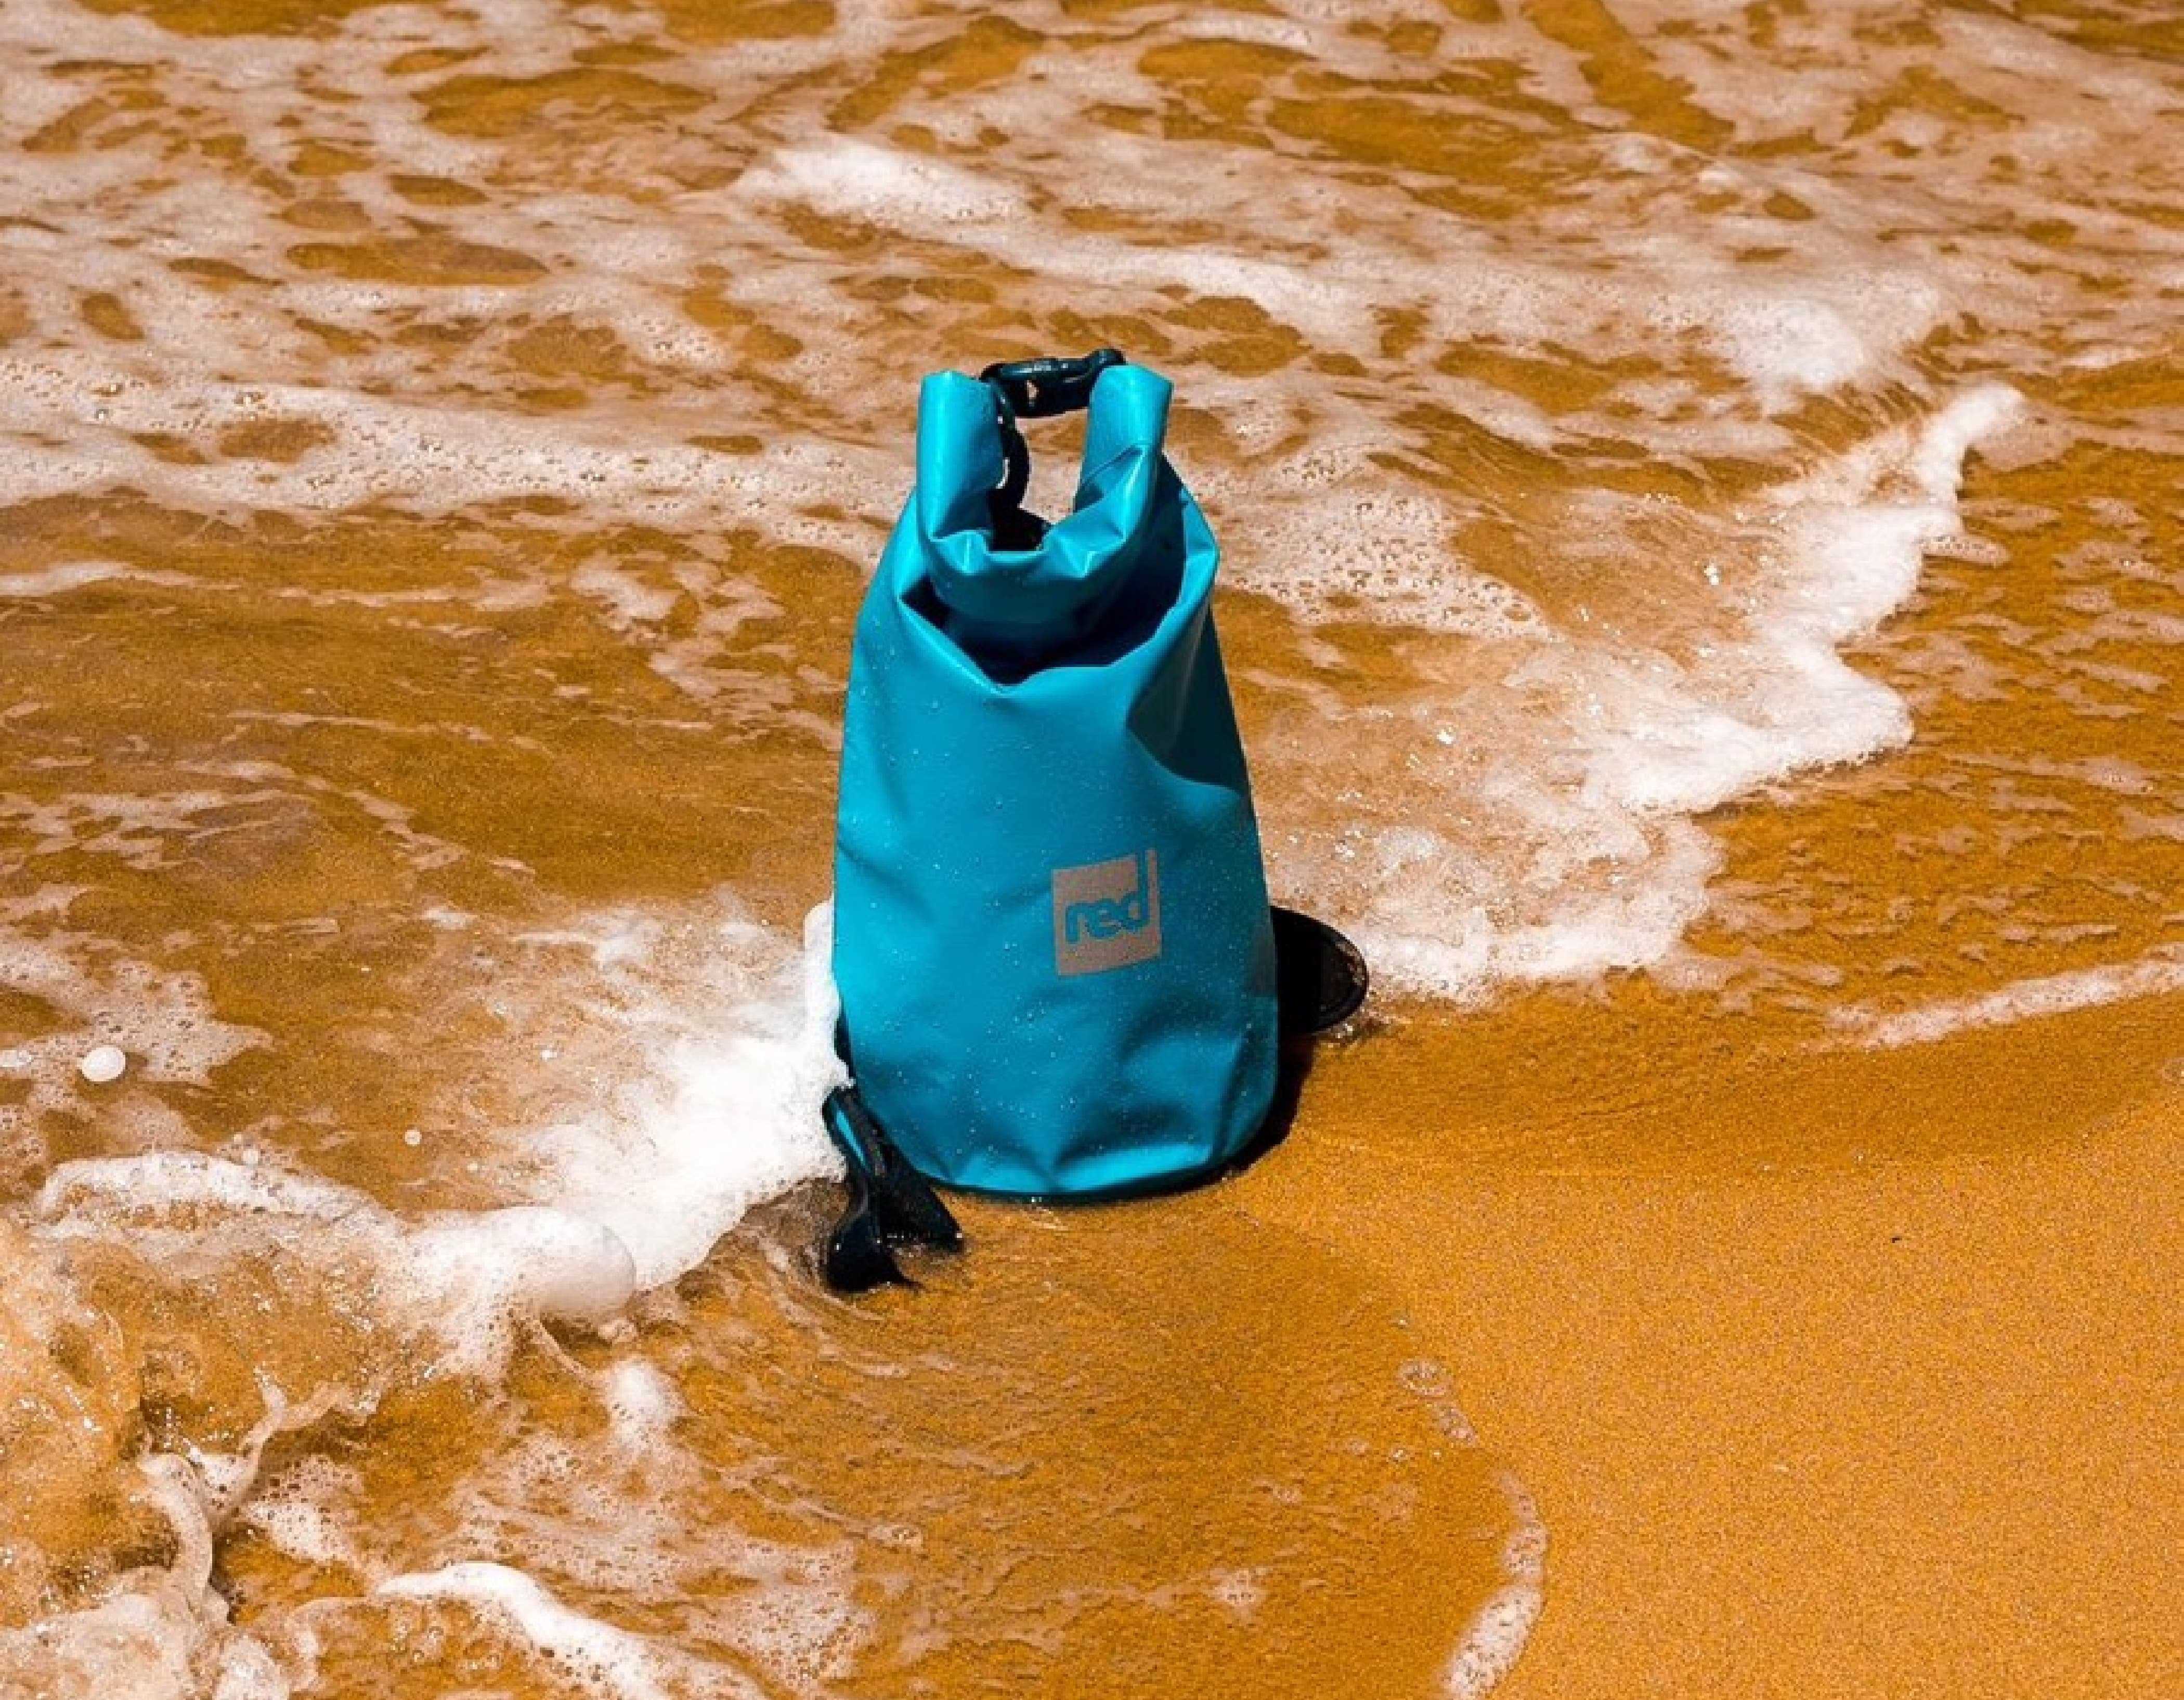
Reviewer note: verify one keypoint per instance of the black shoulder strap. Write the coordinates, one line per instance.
(1034, 390)
(890, 1204)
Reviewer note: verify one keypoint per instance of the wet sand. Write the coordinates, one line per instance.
(1898, 1417)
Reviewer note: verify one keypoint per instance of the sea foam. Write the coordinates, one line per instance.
(603, 1659)
(716, 1108)
(1591, 782)
(2158, 974)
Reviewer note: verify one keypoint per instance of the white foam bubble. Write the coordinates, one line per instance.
(308, 1511)
(641, 1403)
(528, 1260)
(102, 1064)
(158, 1022)
(161, 1018)
(70, 575)
(1496, 1637)
(2021, 1000)
(1243, 1590)
(865, 179)
(737, 1038)
(603, 1658)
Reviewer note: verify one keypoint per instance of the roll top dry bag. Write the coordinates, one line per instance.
(1051, 934)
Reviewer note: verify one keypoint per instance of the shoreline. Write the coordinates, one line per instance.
(1825, 1422)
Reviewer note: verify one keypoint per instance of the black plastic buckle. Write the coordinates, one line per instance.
(1053, 384)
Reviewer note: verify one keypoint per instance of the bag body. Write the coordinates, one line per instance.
(1050, 930)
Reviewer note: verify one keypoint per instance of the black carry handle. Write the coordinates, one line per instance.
(1035, 390)
(1052, 384)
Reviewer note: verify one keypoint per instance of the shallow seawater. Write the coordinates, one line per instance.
(1698, 484)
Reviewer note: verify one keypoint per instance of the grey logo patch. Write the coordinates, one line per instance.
(1106, 914)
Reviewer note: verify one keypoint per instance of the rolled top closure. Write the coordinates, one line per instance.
(962, 461)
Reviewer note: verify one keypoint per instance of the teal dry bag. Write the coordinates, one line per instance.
(1051, 934)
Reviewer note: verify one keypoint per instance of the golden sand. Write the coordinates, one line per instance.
(426, 590)
(1891, 1408)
